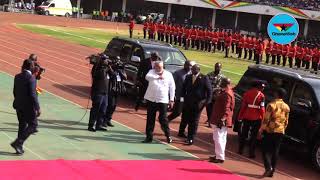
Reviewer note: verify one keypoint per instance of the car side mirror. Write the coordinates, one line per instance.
(304, 103)
(52, 5)
(135, 59)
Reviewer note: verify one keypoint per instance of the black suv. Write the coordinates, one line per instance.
(133, 51)
(303, 88)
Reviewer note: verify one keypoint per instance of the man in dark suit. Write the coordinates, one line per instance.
(144, 67)
(26, 104)
(196, 93)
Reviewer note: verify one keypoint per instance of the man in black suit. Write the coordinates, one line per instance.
(196, 93)
(144, 67)
(26, 104)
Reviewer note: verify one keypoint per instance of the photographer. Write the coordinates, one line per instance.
(99, 91)
(37, 72)
(116, 87)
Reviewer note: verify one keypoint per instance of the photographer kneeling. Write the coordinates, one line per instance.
(116, 87)
(100, 72)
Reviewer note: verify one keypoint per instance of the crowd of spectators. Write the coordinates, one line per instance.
(300, 4)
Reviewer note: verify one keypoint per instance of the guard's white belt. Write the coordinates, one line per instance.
(253, 106)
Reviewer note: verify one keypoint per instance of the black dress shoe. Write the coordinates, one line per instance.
(147, 140)
(268, 173)
(211, 158)
(101, 129)
(182, 135)
(169, 140)
(216, 161)
(91, 129)
(189, 142)
(35, 131)
(104, 125)
(18, 149)
(110, 124)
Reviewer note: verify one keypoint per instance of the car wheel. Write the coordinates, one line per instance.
(316, 155)
(67, 15)
(46, 13)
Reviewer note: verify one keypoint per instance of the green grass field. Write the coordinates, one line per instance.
(98, 38)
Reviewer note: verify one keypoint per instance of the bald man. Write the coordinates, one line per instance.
(160, 93)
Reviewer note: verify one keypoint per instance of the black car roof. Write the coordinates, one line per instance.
(149, 44)
(294, 73)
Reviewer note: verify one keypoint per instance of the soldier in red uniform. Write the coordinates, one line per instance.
(131, 26)
(251, 114)
(285, 52)
(200, 39)
(145, 28)
(152, 30)
(259, 51)
(279, 53)
(300, 55)
(251, 47)
(187, 38)
(274, 53)
(172, 31)
(246, 46)
(180, 35)
(268, 50)
(167, 32)
(215, 39)
(176, 34)
(237, 39)
(315, 59)
(207, 35)
(240, 45)
(308, 57)
(292, 54)
(234, 39)
(194, 36)
(221, 40)
(227, 44)
(159, 30)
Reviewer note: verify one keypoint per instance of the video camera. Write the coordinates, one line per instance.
(39, 70)
(103, 61)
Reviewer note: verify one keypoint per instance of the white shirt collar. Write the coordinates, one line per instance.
(28, 72)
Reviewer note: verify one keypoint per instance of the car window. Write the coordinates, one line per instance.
(126, 51)
(137, 51)
(302, 93)
(114, 48)
(272, 82)
(278, 82)
(169, 57)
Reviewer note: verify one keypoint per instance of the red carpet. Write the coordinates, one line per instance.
(126, 170)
